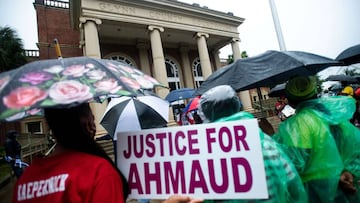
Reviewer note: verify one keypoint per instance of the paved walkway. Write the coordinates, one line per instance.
(7, 190)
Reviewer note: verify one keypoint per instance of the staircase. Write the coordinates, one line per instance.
(108, 146)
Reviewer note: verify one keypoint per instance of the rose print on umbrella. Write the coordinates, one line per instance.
(67, 82)
(66, 92)
(24, 97)
(108, 85)
(35, 78)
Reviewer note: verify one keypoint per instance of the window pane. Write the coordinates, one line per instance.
(34, 127)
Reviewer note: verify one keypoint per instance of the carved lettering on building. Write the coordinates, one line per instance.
(161, 16)
(117, 8)
(208, 24)
(167, 16)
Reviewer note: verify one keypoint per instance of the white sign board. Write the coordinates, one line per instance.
(210, 161)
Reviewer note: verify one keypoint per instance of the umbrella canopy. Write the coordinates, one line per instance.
(126, 114)
(67, 82)
(266, 70)
(335, 88)
(343, 78)
(278, 90)
(180, 94)
(350, 55)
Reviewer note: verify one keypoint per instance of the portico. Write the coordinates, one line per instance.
(175, 42)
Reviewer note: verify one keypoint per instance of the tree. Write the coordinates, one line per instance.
(11, 50)
(230, 59)
(351, 71)
(244, 55)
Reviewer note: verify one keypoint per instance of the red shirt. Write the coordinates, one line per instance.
(69, 177)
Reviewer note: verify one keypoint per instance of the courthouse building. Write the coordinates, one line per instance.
(175, 42)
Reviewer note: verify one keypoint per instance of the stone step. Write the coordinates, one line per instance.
(108, 146)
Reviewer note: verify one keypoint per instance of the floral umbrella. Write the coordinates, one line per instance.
(67, 82)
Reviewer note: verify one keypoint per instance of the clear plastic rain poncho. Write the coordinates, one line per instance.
(221, 104)
(322, 143)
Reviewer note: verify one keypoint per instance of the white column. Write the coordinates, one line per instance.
(244, 95)
(159, 59)
(204, 54)
(236, 48)
(144, 59)
(217, 60)
(159, 65)
(92, 45)
(186, 67)
(92, 49)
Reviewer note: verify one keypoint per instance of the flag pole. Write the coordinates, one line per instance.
(277, 26)
(57, 49)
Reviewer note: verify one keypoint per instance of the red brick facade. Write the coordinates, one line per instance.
(54, 23)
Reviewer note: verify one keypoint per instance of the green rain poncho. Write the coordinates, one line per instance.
(322, 143)
(283, 182)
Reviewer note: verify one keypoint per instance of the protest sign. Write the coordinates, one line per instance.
(212, 161)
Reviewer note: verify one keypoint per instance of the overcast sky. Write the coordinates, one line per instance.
(324, 27)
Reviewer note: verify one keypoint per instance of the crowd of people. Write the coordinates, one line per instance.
(313, 157)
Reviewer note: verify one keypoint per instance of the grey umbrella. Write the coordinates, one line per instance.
(267, 70)
(343, 78)
(350, 55)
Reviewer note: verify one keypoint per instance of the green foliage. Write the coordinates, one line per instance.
(230, 59)
(244, 54)
(351, 71)
(11, 50)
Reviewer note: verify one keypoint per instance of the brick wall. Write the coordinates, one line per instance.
(55, 23)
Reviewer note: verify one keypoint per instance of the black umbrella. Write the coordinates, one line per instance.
(267, 70)
(130, 114)
(335, 88)
(350, 55)
(180, 94)
(343, 78)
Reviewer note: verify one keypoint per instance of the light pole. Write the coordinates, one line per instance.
(277, 26)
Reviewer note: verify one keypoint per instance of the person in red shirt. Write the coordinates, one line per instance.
(78, 170)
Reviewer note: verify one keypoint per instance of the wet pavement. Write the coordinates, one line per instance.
(6, 190)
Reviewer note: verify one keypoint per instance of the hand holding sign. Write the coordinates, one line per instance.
(182, 199)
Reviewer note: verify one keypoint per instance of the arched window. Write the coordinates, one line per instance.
(172, 73)
(198, 75)
(122, 58)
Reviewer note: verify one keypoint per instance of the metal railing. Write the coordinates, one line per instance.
(33, 145)
(53, 3)
(32, 53)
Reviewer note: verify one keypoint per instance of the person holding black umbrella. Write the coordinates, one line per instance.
(322, 142)
(221, 104)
